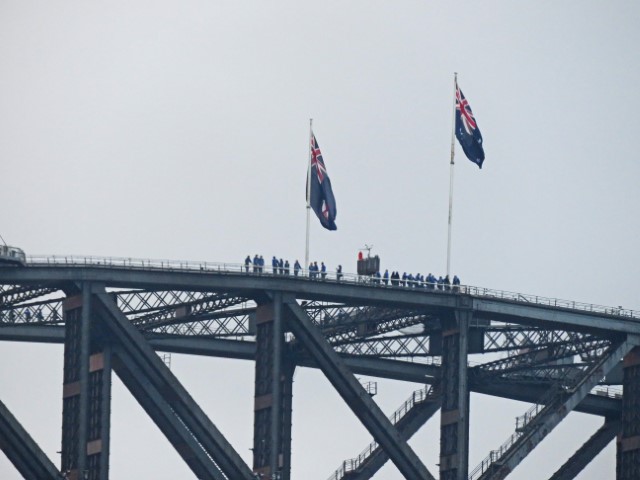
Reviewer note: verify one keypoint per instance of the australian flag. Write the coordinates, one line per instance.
(467, 131)
(321, 197)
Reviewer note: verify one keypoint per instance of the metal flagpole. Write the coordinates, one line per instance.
(453, 135)
(306, 254)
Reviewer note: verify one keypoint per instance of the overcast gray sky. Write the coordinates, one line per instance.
(179, 130)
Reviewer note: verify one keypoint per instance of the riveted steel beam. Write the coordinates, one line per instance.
(454, 414)
(588, 451)
(23, 451)
(273, 394)
(163, 415)
(142, 359)
(354, 394)
(408, 419)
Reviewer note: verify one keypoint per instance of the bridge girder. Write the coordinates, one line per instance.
(364, 327)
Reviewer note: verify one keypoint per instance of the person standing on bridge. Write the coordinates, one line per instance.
(286, 267)
(274, 265)
(281, 267)
(247, 263)
(385, 277)
(296, 268)
(456, 283)
(339, 273)
(323, 271)
(256, 263)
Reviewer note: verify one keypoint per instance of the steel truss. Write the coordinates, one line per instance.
(354, 395)
(396, 346)
(207, 452)
(345, 324)
(343, 329)
(545, 415)
(587, 452)
(163, 311)
(15, 294)
(408, 418)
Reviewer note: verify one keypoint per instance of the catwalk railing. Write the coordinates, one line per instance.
(417, 397)
(305, 274)
(550, 401)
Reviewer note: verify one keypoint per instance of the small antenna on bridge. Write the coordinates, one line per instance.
(368, 248)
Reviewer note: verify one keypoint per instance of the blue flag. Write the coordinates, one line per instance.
(321, 198)
(467, 131)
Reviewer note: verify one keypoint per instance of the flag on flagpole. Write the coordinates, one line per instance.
(467, 131)
(321, 194)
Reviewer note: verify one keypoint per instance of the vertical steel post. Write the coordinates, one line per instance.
(288, 368)
(454, 423)
(83, 377)
(276, 379)
(86, 393)
(628, 453)
(72, 308)
(105, 414)
(273, 395)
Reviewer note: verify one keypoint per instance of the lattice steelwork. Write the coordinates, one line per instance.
(518, 337)
(232, 323)
(187, 313)
(15, 294)
(153, 308)
(535, 344)
(43, 312)
(540, 419)
(549, 354)
(393, 346)
(343, 324)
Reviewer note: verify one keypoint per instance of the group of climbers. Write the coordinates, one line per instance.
(315, 271)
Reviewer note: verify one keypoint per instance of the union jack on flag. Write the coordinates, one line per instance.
(467, 131)
(317, 163)
(321, 194)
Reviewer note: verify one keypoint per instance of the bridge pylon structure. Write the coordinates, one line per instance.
(112, 315)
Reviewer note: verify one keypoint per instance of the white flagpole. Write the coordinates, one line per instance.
(453, 128)
(306, 254)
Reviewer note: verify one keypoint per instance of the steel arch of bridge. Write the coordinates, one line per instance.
(111, 314)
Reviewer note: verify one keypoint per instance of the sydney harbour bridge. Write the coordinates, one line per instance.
(112, 315)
